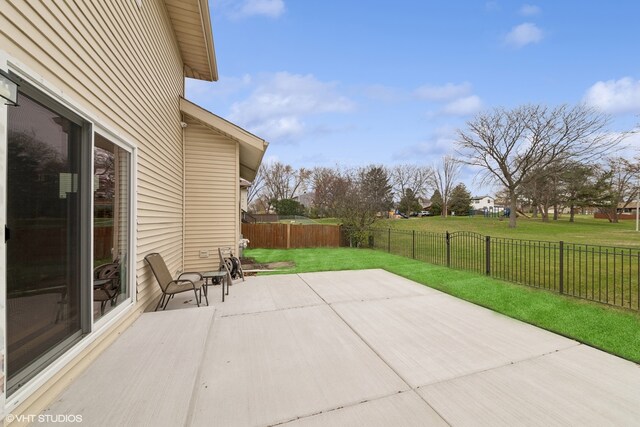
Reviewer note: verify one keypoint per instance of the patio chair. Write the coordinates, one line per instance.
(106, 284)
(170, 287)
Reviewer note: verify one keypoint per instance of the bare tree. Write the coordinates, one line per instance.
(409, 176)
(581, 187)
(329, 187)
(442, 178)
(510, 144)
(260, 204)
(257, 186)
(621, 178)
(543, 189)
(283, 181)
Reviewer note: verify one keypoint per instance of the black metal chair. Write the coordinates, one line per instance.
(106, 284)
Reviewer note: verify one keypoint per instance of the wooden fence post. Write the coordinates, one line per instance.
(288, 235)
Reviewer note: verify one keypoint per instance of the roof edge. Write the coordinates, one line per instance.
(212, 120)
(205, 15)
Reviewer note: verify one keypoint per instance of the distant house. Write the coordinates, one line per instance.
(305, 199)
(627, 207)
(482, 203)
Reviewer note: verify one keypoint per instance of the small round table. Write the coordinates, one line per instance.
(212, 275)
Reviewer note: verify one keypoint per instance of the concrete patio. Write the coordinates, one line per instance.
(347, 348)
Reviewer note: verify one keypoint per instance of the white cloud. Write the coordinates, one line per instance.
(277, 107)
(524, 34)
(445, 92)
(243, 8)
(463, 106)
(529, 10)
(200, 90)
(271, 8)
(440, 142)
(615, 96)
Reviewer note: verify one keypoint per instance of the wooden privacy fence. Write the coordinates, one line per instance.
(285, 236)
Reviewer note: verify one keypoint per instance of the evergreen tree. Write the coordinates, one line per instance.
(409, 202)
(436, 203)
(288, 207)
(460, 200)
(376, 188)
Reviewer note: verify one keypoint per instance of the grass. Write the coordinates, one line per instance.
(613, 330)
(328, 221)
(585, 229)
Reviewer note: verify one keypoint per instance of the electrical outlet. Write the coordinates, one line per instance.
(204, 254)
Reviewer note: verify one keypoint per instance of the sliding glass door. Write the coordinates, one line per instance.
(45, 188)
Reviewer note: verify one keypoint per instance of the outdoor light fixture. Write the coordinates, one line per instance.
(8, 89)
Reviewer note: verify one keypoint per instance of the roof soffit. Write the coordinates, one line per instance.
(191, 22)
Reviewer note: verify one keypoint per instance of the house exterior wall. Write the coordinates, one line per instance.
(482, 203)
(211, 196)
(130, 80)
(119, 65)
(244, 196)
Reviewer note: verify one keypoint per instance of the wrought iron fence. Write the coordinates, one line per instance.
(610, 275)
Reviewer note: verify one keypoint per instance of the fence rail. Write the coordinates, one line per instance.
(284, 236)
(610, 275)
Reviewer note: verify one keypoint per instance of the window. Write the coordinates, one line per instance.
(111, 191)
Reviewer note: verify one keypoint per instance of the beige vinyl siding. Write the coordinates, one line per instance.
(121, 63)
(211, 200)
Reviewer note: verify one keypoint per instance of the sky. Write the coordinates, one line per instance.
(351, 83)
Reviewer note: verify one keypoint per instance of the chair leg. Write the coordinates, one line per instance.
(206, 298)
(167, 302)
(160, 301)
(195, 292)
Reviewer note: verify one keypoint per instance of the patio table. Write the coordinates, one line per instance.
(211, 276)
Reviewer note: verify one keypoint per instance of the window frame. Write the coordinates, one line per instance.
(48, 94)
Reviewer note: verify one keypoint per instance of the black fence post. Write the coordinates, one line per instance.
(561, 281)
(413, 245)
(389, 242)
(488, 255)
(448, 237)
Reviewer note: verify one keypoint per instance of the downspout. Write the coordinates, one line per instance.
(184, 189)
(236, 237)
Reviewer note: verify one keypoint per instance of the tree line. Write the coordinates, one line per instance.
(359, 195)
(540, 158)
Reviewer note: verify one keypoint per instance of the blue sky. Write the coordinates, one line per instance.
(358, 82)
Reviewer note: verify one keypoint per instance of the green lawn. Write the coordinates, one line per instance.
(585, 229)
(613, 330)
